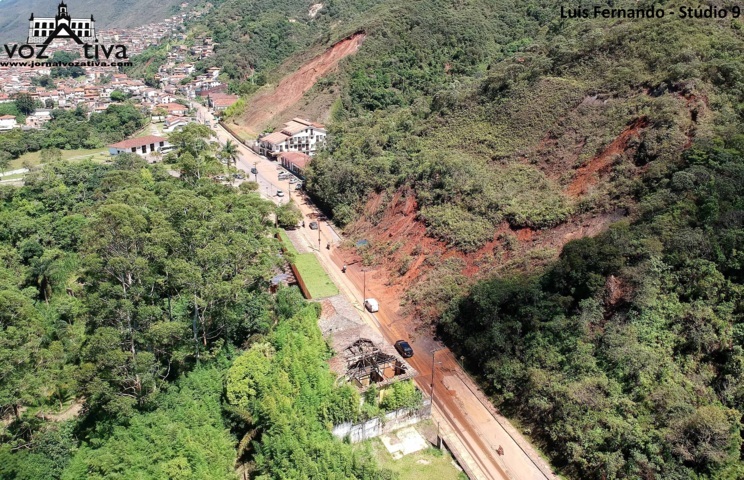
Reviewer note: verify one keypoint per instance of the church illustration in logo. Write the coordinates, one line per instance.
(42, 31)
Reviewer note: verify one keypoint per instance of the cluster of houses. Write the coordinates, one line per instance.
(177, 74)
(293, 145)
(92, 91)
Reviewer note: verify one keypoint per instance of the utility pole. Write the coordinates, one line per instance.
(255, 165)
(364, 294)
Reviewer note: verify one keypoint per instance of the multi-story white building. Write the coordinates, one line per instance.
(298, 135)
(43, 30)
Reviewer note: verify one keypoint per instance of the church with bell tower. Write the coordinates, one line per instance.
(44, 30)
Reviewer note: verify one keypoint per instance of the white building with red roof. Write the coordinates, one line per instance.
(297, 135)
(140, 145)
(295, 162)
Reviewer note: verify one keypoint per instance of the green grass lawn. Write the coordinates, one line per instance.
(34, 158)
(288, 243)
(316, 279)
(429, 463)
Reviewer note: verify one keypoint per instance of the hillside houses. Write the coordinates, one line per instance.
(297, 135)
(92, 92)
(220, 101)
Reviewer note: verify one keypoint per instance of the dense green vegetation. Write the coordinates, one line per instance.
(125, 296)
(626, 357)
(73, 129)
(115, 281)
(482, 110)
(251, 46)
(186, 434)
(284, 387)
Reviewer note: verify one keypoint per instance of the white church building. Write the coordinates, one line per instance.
(43, 30)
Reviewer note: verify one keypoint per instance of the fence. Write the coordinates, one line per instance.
(357, 432)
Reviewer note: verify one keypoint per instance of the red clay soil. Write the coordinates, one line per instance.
(265, 106)
(586, 176)
(398, 225)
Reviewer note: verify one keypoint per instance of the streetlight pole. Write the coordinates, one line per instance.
(255, 164)
(364, 294)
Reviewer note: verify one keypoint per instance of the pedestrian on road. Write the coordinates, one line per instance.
(343, 269)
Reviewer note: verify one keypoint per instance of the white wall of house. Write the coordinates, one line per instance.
(306, 141)
(8, 123)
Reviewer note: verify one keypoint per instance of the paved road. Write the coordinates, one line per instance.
(474, 427)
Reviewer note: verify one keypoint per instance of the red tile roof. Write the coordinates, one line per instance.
(275, 138)
(138, 142)
(299, 159)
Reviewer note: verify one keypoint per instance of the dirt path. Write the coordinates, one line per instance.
(266, 105)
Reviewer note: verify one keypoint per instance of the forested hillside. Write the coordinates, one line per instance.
(623, 359)
(125, 296)
(115, 281)
(626, 357)
(488, 123)
(500, 121)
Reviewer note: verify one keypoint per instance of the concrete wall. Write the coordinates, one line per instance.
(357, 432)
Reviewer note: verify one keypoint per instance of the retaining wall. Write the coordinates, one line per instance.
(357, 432)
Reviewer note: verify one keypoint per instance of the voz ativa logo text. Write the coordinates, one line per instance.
(42, 31)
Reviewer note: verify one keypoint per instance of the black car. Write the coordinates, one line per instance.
(313, 225)
(404, 349)
(254, 170)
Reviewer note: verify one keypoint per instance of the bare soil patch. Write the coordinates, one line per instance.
(266, 105)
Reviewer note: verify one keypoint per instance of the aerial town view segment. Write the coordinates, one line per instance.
(371, 239)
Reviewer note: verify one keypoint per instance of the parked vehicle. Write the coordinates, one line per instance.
(239, 176)
(254, 170)
(280, 193)
(292, 180)
(371, 305)
(404, 349)
(313, 225)
(298, 186)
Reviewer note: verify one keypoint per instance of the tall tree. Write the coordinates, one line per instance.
(25, 103)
